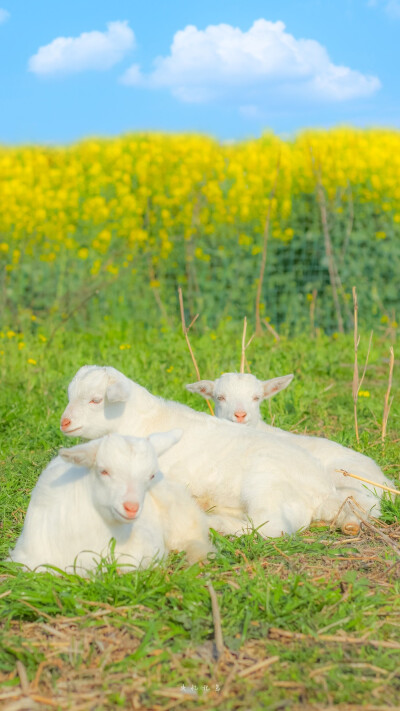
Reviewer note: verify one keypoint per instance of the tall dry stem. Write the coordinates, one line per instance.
(185, 330)
(245, 345)
(388, 403)
(312, 311)
(357, 383)
(333, 273)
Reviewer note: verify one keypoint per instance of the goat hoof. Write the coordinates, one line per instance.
(351, 529)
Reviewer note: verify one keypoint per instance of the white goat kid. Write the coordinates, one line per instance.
(109, 488)
(238, 397)
(237, 471)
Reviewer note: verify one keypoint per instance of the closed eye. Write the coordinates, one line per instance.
(221, 398)
(256, 398)
(105, 473)
(96, 401)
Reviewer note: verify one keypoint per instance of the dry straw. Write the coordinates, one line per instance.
(218, 638)
(185, 330)
(368, 481)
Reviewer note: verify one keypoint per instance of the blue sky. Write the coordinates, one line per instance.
(231, 69)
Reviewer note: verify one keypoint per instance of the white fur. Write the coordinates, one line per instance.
(237, 398)
(233, 471)
(109, 488)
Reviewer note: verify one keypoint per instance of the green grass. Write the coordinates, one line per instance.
(133, 641)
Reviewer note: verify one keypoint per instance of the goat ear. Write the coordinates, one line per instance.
(118, 388)
(162, 441)
(83, 455)
(275, 385)
(85, 369)
(202, 387)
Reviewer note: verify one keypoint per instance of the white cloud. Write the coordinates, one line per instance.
(90, 51)
(4, 15)
(250, 67)
(132, 76)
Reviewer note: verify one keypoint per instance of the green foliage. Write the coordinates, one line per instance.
(310, 584)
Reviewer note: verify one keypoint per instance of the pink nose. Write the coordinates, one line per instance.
(131, 509)
(65, 422)
(240, 415)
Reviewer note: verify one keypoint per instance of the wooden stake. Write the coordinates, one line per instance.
(185, 333)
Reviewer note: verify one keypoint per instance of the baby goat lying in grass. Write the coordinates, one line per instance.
(110, 488)
(238, 397)
(240, 473)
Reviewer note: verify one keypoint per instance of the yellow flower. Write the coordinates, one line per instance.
(21, 345)
(112, 269)
(42, 338)
(380, 235)
(124, 346)
(170, 369)
(363, 393)
(32, 361)
(245, 240)
(83, 253)
(10, 334)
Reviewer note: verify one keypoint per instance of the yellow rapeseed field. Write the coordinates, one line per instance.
(146, 189)
(149, 212)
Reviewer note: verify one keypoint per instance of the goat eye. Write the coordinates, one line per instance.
(105, 473)
(256, 398)
(152, 476)
(96, 401)
(221, 398)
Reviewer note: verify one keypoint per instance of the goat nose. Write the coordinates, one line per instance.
(65, 422)
(240, 415)
(131, 508)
